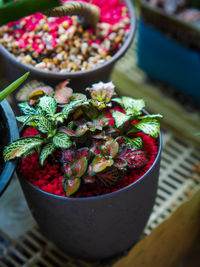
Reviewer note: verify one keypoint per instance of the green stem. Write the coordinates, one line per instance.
(12, 11)
(8, 90)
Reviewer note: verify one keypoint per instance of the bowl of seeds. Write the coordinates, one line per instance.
(82, 47)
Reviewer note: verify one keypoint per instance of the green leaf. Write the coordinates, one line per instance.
(48, 104)
(44, 125)
(151, 116)
(118, 100)
(149, 126)
(31, 120)
(29, 152)
(20, 146)
(22, 119)
(90, 111)
(74, 104)
(72, 185)
(8, 90)
(133, 106)
(26, 108)
(110, 148)
(120, 118)
(135, 142)
(99, 163)
(62, 140)
(46, 151)
(79, 167)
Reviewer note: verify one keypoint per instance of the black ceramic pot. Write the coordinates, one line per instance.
(79, 80)
(8, 133)
(95, 227)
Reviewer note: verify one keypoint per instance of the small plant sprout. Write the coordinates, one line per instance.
(92, 147)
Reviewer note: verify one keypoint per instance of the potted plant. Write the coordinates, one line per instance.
(169, 43)
(54, 49)
(8, 132)
(89, 166)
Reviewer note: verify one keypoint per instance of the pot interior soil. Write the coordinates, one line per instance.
(49, 177)
(62, 44)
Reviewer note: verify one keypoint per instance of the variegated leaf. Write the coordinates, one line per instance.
(151, 116)
(82, 152)
(120, 118)
(36, 94)
(87, 179)
(118, 100)
(135, 142)
(62, 85)
(100, 123)
(133, 106)
(29, 152)
(23, 93)
(77, 96)
(48, 104)
(26, 108)
(79, 167)
(99, 163)
(134, 157)
(72, 185)
(46, 151)
(63, 95)
(71, 106)
(62, 140)
(90, 111)
(66, 130)
(120, 163)
(149, 126)
(44, 125)
(67, 156)
(20, 146)
(109, 177)
(22, 119)
(110, 148)
(96, 150)
(81, 130)
(31, 120)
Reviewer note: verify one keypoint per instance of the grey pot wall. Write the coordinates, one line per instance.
(8, 133)
(80, 79)
(95, 227)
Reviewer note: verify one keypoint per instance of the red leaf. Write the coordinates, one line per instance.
(82, 152)
(66, 130)
(62, 95)
(120, 163)
(110, 148)
(81, 130)
(134, 157)
(96, 150)
(98, 124)
(88, 179)
(72, 185)
(77, 96)
(109, 177)
(99, 163)
(67, 156)
(79, 167)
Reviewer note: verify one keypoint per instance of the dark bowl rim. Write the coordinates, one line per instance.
(69, 75)
(9, 167)
(108, 194)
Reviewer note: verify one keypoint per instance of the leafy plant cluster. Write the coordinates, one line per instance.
(93, 150)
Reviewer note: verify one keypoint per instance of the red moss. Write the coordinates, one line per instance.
(48, 177)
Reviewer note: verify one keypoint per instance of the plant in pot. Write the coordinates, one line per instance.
(89, 166)
(54, 49)
(8, 131)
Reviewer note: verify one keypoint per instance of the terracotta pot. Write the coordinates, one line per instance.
(95, 227)
(8, 133)
(79, 79)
